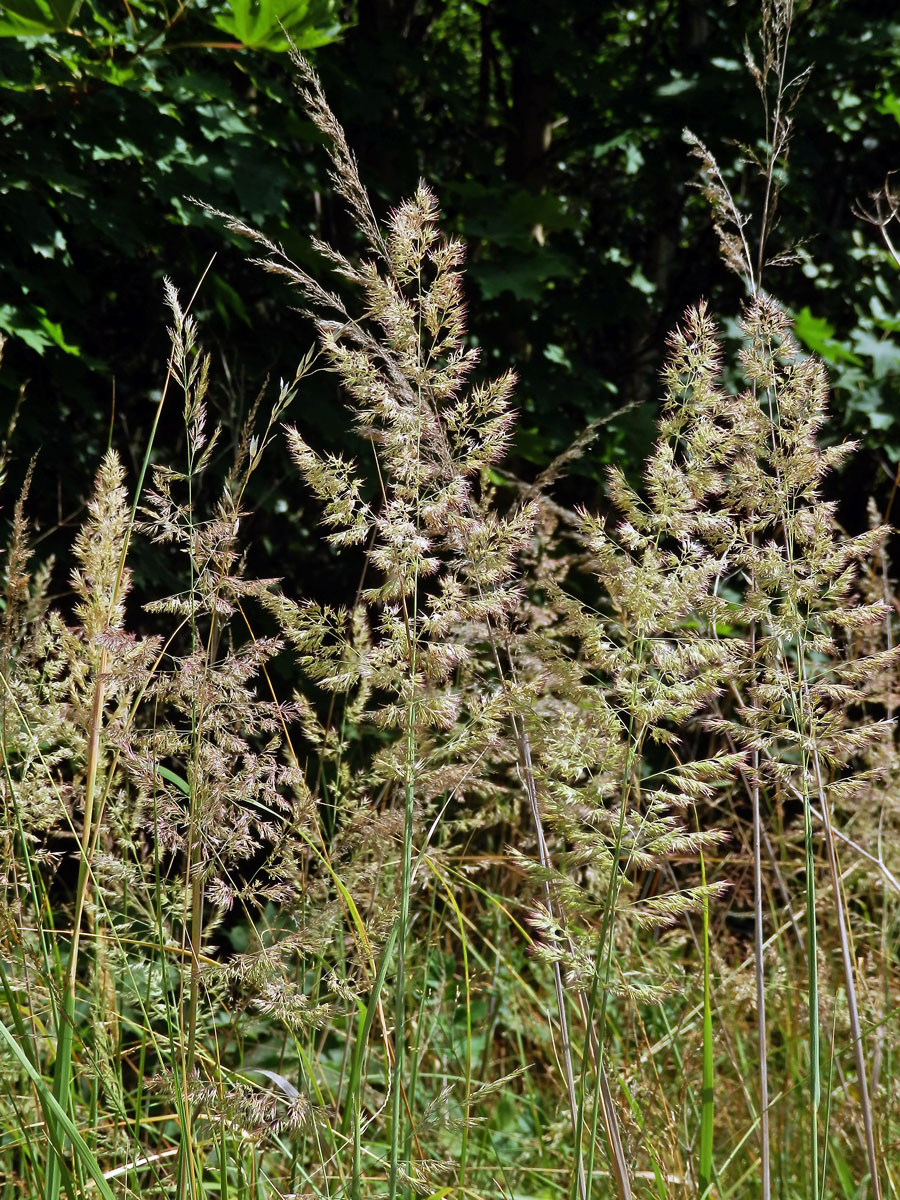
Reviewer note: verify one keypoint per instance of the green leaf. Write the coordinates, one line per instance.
(54, 332)
(818, 335)
(30, 18)
(228, 301)
(884, 354)
(556, 354)
(526, 276)
(262, 24)
(890, 106)
(171, 777)
(676, 86)
(35, 329)
(56, 1115)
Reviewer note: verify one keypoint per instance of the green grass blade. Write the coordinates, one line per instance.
(57, 1117)
(62, 1071)
(707, 1094)
(368, 1019)
(815, 1085)
(352, 1101)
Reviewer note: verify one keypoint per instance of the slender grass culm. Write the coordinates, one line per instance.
(558, 862)
(798, 587)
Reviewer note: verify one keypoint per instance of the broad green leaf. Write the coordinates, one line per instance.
(884, 353)
(262, 24)
(30, 18)
(35, 329)
(818, 335)
(890, 106)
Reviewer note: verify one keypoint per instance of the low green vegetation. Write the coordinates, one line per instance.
(560, 859)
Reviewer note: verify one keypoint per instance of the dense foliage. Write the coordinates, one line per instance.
(554, 137)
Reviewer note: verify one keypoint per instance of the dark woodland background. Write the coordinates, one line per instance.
(552, 134)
